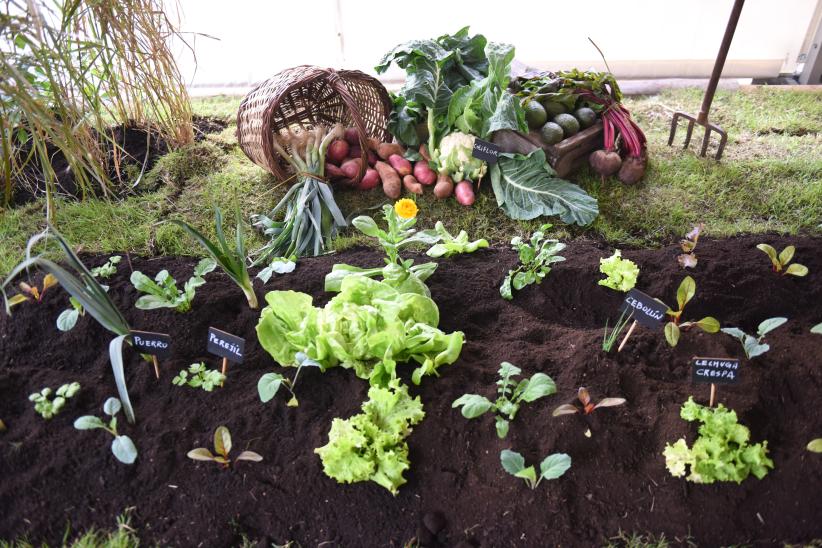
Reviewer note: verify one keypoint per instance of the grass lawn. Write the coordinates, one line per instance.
(769, 180)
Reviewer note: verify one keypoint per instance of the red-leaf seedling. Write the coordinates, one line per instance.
(222, 446)
(588, 406)
(780, 261)
(688, 258)
(32, 293)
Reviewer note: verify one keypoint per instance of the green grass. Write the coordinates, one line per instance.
(123, 537)
(769, 180)
(636, 540)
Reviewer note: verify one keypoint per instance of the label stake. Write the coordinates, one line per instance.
(713, 395)
(628, 334)
(156, 366)
(225, 365)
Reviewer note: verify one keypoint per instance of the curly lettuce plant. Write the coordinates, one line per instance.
(722, 451)
(622, 273)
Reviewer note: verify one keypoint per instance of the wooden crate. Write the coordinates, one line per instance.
(565, 157)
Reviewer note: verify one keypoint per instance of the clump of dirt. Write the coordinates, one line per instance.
(457, 492)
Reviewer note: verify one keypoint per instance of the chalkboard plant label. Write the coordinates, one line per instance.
(229, 347)
(715, 370)
(154, 344)
(646, 310)
(485, 151)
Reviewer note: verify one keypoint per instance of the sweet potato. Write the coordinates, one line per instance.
(399, 163)
(385, 150)
(424, 152)
(372, 158)
(333, 172)
(424, 174)
(370, 180)
(465, 193)
(444, 187)
(352, 136)
(391, 182)
(411, 184)
(351, 168)
(337, 152)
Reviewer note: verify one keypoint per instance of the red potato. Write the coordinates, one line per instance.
(391, 182)
(399, 163)
(355, 151)
(385, 150)
(465, 193)
(352, 136)
(424, 152)
(424, 174)
(411, 184)
(333, 172)
(351, 168)
(444, 187)
(337, 152)
(370, 180)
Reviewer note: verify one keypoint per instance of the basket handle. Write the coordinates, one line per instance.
(337, 82)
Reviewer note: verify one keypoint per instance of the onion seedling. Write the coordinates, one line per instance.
(47, 408)
(610, 338)
(685, 292)
(587, 406)
(552, 467)
(122, 446)
(222, 446)
(753, 346)
(780, 261)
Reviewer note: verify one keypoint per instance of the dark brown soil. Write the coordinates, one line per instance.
(53, 475)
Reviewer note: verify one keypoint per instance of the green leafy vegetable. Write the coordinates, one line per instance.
(68, 317)
(199, 376)
(622, 273)
(48, 408)
(278, 265)
(536, 257)
(122, 447)
(753, 346)
(722, 451)
(552, 467)
(780, 261)
(511, 394)
(371, 445)
(369, 326)
(163, 291)
(815, 445)
(108, 269)
(526, 187)
(270, 383)
(222, 446)
(686, 292)
(451, 245)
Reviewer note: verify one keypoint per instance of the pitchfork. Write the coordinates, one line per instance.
(702, 118)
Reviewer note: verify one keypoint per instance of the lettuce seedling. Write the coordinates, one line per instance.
(721, 452)
(587, 406)
(688, 258)
(622, 273)
(610, 338)
(163, 291)
(222, 446)
(754, 346)
(552, 467)
(108, 269)
(451, 245)
(123, 448)
(47, 408)
(686, 292)
(535, 256)
(68, 317)
(780, 261)
(511, 395)
(269, 384)
(817, 329)
(31, 293)
(199, 376)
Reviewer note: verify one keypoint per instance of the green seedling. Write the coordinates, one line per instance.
(688, 258)
(31, 293)
(108, 269)
(552, 467)
(511, 394)
(686, 292)
(815, 446)
(199, 376)
(222, 446)
(231, 259)
(163, 291)
(47, 408)
(536, 257)
(780, 261)
(122, 446)
(587, 406)
(754, 346)
(270, 383)
(278, 265)
(68, 317)
(610, 338)
(817, 329)
(622, 273)
(450, 245)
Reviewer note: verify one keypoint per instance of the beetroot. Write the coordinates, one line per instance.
(605, 163)
(337, 151)
(424, 174)
(632, 170)
(465, 193)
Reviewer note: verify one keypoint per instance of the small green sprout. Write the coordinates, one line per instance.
(270, 383)
(610, 338)
(686, 292)
(108, 269)
(47, 408)
(780, 262)
(199, 376)
(754, 346)
(815, 446)
(552, 467)
(222, 446)
(122, 446)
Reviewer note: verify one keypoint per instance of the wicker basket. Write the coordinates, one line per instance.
(305, 96)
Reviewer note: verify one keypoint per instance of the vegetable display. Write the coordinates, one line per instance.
(722, 452)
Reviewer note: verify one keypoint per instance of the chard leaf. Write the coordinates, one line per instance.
(797, 269)
(815, 445)
(708, 324)
(672, 333)
(771, 253)
(526, 188)
(222, 441)
(786, 255)
(201, 453)
(685, 292)
(250, 456)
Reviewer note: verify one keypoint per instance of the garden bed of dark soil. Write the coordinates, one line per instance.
(54, 476)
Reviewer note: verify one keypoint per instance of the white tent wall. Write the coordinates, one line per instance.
(640, 38)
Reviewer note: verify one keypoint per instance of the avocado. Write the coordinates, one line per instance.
(553, 108)
(535, 115)
(585, 116)
(568, 123)
(551, 133)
